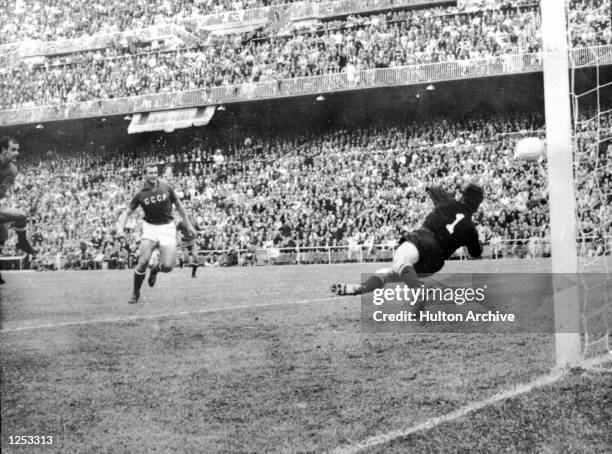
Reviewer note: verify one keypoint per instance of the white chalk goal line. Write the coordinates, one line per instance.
(131, 318)
(381, 439)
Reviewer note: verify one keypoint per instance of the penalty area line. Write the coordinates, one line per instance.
(131, 318)
(381, 439)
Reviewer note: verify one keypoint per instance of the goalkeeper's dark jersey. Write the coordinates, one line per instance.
(448, 227)
(451, 223)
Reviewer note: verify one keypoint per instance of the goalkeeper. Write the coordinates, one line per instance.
(448, 227)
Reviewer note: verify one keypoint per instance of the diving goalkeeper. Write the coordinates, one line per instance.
(423, 251)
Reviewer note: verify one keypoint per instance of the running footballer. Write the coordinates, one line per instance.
(9, 150)
(156, 199)
(189, 245)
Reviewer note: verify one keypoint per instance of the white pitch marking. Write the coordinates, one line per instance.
(381, 439)
(591, 364)
(163, 315)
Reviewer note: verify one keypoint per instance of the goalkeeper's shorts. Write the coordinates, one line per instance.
(431, 256)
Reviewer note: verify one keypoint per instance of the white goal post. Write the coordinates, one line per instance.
(562, 197)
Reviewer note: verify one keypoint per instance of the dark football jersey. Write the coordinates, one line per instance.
(186, 235)
(451, 223)
(156, 203)
(8, 173)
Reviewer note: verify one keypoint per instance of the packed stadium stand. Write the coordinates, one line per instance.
(359, 188)
(358, 42)
(356, 186)
(28, 20)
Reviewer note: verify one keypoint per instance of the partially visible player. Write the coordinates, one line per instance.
(9, 150)
(189, 245)
(423, 251)
(156, 199)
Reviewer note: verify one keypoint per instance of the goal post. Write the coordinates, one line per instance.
(562, 196)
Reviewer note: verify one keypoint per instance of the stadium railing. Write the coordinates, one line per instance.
(520, 134)
(371, 78)
(521, 248)
(13, 260)
(416, 74)
(505, 248)
(322, 254)
(592, 55)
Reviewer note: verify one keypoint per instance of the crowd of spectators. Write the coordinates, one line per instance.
(385, 40)
(48, 20)
(377, 41)
(337, 188)
(589, 23)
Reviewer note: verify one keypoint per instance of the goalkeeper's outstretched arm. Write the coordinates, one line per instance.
(438, 195)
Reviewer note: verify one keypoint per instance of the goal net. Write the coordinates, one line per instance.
(591, 120)
(579, 155)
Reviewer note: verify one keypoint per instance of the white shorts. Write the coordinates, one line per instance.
(164, 234)
(406, 254)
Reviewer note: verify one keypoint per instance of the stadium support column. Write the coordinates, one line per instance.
(562, 197)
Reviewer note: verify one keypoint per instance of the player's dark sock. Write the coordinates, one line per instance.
(373, 282)
(2, 281)
(378, 279)
(138, 280)
(22, 241)
(409, 276)
(21, 233)
(153, 274)
(194, 268)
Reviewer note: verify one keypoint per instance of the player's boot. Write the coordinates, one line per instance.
(346, 289)
(134, 298)
(153, 275)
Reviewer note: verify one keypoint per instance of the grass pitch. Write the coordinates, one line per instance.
(258, 360)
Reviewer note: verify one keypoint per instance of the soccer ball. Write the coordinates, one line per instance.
(248, 142)
(529, 149)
